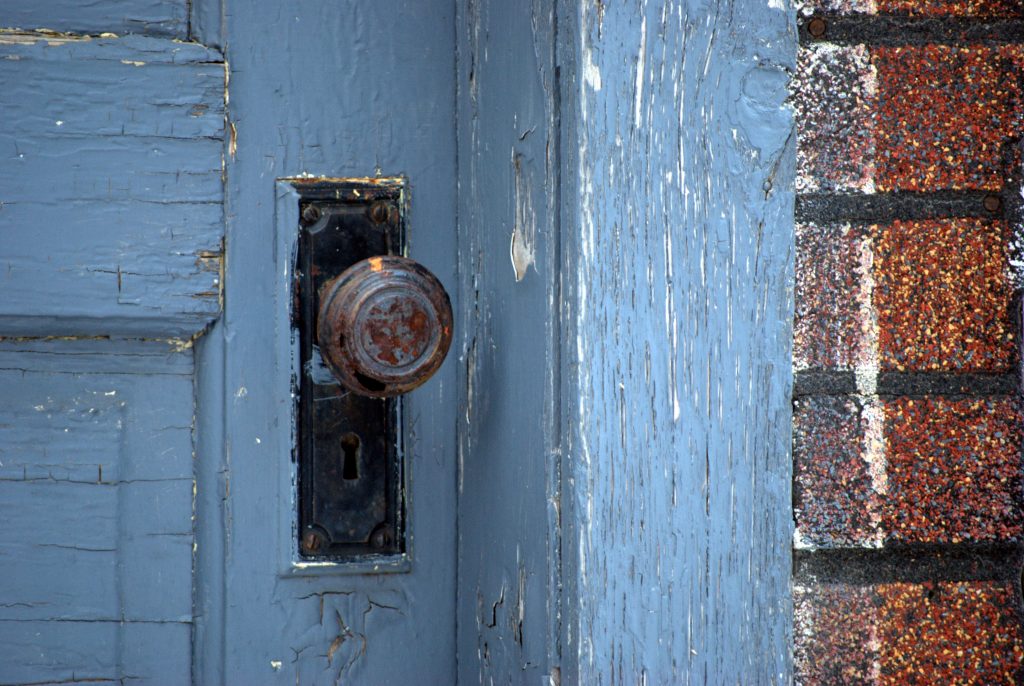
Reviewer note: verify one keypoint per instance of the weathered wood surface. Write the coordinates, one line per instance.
(341, 90)
(509, 367)
(167, 18)
(96, 484)
(111, 186)
(678, 262)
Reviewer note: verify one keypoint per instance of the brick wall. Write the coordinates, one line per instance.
(907, 418)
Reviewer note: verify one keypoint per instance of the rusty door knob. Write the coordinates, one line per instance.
(385, 325)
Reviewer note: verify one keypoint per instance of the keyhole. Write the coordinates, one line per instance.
(350, 444)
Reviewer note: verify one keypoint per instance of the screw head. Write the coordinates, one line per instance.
(993, 203)
(816, 27)
(311, 214)
(382, 536)
(379, 212)
(313, 541)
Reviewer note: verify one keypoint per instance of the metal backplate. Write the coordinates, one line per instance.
(349, 449)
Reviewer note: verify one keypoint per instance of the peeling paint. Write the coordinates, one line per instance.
(522, 249)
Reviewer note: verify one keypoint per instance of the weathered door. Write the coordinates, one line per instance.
(596, 481)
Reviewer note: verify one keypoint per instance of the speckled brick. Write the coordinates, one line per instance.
(834, 642)
(954, 470)
(827, 324)
(946, 116)
(835, 501)
(943, 297)
(950, 633)
(833, 94)
(896, 471)
(946, 633)
(908, 296)
(917, 8)
(807, 7)
(907, 118)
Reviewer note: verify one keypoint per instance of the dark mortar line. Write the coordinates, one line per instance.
(824, 383)
(821, 382)
(885, 207)
(914, 564)
(897, 30)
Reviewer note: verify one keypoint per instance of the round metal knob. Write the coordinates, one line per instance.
(385, 326)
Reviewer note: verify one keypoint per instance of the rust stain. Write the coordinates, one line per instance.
(384, 326)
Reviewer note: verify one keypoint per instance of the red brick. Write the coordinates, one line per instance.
(907, 118)
(954, 470)
(826, 328)
(834, 625)
(946, 471)
(833, 96)
(943, 297)
(946, 633)
(946, 116)
(940, 297)
(950, 633)
(919, 8)
(835, 504)
(965, 8)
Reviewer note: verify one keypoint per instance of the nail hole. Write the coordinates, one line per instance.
(350, 444)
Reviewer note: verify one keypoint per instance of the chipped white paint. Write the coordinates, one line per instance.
(866, 365)
(873, 453)
(638, 86)
(591, 72)
(875, 651)
(866, 370)
(808, 7)
(522, 247)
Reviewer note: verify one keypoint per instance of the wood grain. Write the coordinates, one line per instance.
(345, 89)
(678, 266)
(111, 186)
(166, 18)
(509, 433)
(96, 498)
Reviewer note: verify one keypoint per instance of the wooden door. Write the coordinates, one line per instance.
(597, 478)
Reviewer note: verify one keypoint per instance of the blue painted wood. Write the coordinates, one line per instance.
(206, 22)
(110, 187)
(335, 89)
(509, 404)
(167, 18)
(604, 193)
(96, 483)
(678, 242)
(212, 484)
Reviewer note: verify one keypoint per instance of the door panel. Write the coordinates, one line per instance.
(509, 389)
(333, 90)
(167, 18)
(111, 218)
(110, 188)
(96, 488)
